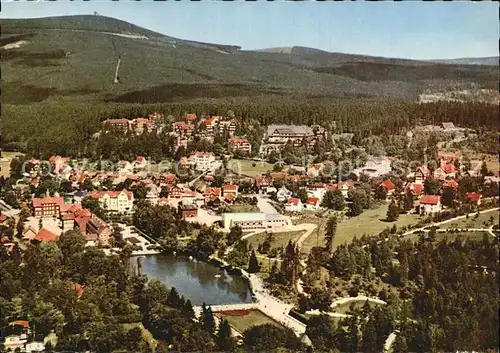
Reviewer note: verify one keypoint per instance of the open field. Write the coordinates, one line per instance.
(370, 222)
(347, 307)
(246, 167)
(241, 207)
(5, 162)
(279, 239)
(242, 320)
(472, 221)
(450, 236)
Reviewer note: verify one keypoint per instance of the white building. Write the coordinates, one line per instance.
(430, 204)
(254, 220)
(115, 201)
(375, 167)
(294, 205)
(283, 194)
(202, 160)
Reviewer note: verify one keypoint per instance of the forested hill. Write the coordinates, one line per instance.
(75, 57)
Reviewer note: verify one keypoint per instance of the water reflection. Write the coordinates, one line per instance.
(198, 281)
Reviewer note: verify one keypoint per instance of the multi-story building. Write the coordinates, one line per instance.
(202, 160)
(48, 206)
(254, 220)
(183, 129)
(140, 125)
(239, 145)
(430, 204)
(283, 133)
(118, 123)
(115, 201)
(227, 125)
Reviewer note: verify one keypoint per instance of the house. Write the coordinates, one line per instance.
(389, 186)
(123, 124)
(421, 174)
(163, 201)
(211, 193)
(175, 192)
(183, 129)
(227, 125)
(115, 201)
(188, 211)
(140, 125)
(211, 124)
(283, 194)
(240, 145)
(313, 170)
(344, 187)
(230, 189)
(278, 175)
(281, 134)
(445, 171)
(447, 158)
(47, 206)
(202, 161)
(262, 182)
(294, 205)
(450, 184)
(29, 233)
(68, 221)
(93, 228)
(474, 198)
(415, 189)
(312, 203)
(3, 219)
(188, 197)
(34, 347)
(140, 162)
(191, 118)
(375, 167)
(45, 235)
(430, 204)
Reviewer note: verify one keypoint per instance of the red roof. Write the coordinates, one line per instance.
(39, 202)
(261, 181)
(293, 201)
(473, 196)
(3, 218)
(191, 116)
(112, 194)
(448, 168)
(212, 191)
(229, 197)
(140, 159)
(209, 178)
(79, 289)
(46, 235)
(234, 140)
(450, 184)
(279, 175)
(430, 200)
(229, 187)
(387, 184)
(20, 323)
(312, 201)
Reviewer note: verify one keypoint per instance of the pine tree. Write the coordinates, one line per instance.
(208, 319)
(173, 298)
(369, 341)
(224, 340)
(188, 309)
(331, 230)
(393, 212)
(253, 263)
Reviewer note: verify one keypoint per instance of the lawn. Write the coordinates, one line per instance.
(472, 221)
(450, 236)
(5, 162)
(241, 207)
(241, 320)
(246, 167)
(370, 222)
(280, 239)
(355, 304)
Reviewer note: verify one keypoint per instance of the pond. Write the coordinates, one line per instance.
(196, 280)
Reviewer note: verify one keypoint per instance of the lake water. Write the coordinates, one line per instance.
(196, 280)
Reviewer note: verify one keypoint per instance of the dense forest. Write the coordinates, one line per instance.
(68, 128)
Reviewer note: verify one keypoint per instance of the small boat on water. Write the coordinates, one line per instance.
(218, 276)
(190, 258)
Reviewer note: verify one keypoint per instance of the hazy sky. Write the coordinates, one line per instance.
(409, 29)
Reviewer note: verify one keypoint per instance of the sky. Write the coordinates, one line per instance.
(409, 29)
